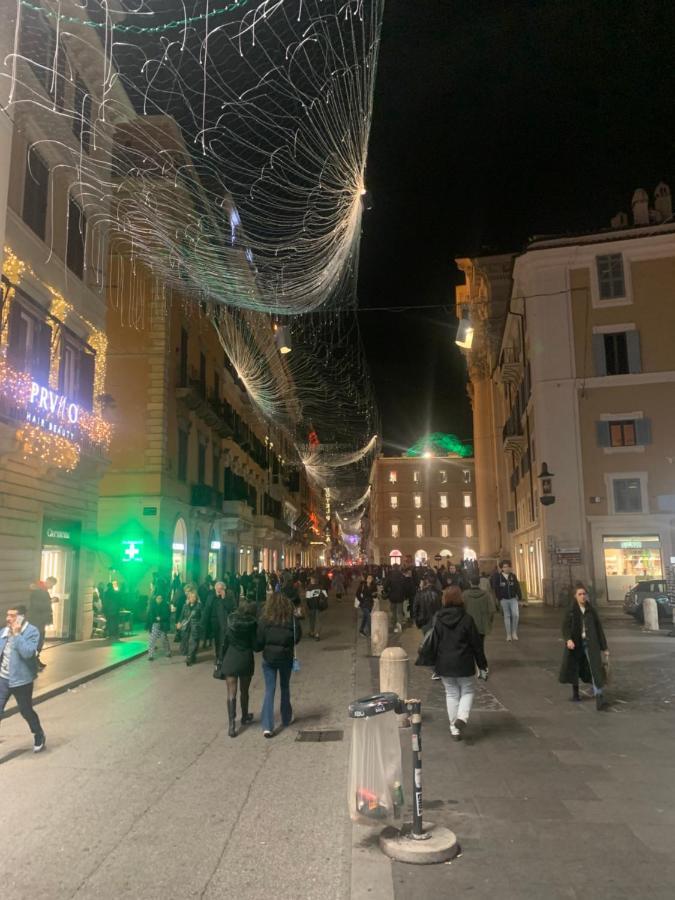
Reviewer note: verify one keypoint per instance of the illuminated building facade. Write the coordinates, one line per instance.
(53, 348)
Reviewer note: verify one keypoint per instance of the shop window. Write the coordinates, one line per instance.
(445, 529)
(394, 529)
(393, 501)
(611, 280)
(395, 558)
(35, 193)
(182, 454)
(419, 529)
(467, 501)
(393, 477)
(443, 475)
(627, 493)
(77, 238)
(417, 501)
(444, 501)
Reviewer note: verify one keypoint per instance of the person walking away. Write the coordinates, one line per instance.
(508, 594)
(278, 632)
(316, 599)
(426, 604)
(40, 612)
(339, 585)
(224, 604)
(189, 626)
(111, 611)
(585, 648)
(480, 606)
(366, 593)
(158, 623)
(207, 597)
(237, 661)
(19, 641)
(456, 651)
(395, 590)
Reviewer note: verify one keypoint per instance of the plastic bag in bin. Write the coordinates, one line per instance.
(375, 774)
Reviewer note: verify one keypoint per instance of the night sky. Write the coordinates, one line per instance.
(495, 121)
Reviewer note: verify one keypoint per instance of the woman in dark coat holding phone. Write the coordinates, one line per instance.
(586, 653)
(237, 666)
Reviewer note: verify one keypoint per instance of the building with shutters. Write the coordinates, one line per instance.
(53, 354)
(583, 380)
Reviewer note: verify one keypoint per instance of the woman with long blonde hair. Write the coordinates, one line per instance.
(278, 633)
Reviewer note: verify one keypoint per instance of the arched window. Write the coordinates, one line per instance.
(469, 553)
(395, 558)
(446, 553)
(195, 574)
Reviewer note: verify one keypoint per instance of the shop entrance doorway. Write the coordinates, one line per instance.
(61, 563)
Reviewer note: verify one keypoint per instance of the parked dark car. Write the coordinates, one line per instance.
(632, 604)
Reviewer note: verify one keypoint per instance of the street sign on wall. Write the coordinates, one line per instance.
(569, 556)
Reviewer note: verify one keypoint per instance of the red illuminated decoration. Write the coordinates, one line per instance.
(313, 439)
(314, 520)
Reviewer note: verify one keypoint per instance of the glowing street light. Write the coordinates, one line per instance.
(464, 337)
(282, 338)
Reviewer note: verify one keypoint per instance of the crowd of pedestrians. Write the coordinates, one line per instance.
(240, 616)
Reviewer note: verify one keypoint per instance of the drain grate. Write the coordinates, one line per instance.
(337, 647)
(320, 736)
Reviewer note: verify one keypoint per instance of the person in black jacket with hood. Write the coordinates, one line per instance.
(456, 651)
(158, 620)
(238, 644)
(278, 632)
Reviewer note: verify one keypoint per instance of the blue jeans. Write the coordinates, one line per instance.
(270, 675)
(365, 621)
(511, 616)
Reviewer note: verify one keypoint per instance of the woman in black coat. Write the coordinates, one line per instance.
(278, 632)
(366, 594)
(585, 647)
(456, 649)
(239, 642)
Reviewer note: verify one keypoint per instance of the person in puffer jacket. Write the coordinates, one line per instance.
(456, 651)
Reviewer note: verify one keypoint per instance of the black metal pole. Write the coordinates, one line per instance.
(414, 708)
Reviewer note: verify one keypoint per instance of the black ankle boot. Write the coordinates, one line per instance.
(232, 714)
(575, 698)
(246, 717)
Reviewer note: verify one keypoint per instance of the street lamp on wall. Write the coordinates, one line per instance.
(464, 337)
(546, 495)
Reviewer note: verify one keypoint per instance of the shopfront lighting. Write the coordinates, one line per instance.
(464, 338)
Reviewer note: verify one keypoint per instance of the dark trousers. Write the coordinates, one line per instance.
(365, 621)
(24, 700)
(482, 642)
(189, 642)
(41, 642)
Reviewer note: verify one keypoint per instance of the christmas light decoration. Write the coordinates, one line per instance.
(51, 449)
(439, 444)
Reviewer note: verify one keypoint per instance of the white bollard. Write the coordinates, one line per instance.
(651, 614)
(394, 676)
(379, 632)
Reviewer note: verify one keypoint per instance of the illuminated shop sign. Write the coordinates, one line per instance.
(54, 404)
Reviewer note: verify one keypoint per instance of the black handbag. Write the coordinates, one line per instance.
(428, 649)
(218, 670)
(322, 603)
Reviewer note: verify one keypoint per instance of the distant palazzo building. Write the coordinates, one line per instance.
(584, 382)
(423, 508)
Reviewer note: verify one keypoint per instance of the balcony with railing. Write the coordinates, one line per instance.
(513, 437)
(218, 414)
(511, 368)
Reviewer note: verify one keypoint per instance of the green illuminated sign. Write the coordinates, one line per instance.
(132, 551)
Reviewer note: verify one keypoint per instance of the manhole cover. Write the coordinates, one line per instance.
(337, 647)
(320, 736)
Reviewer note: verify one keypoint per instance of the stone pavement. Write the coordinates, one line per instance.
(551, 799)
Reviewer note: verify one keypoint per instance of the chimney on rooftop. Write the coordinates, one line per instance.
(640, 204)
(663, 202)
(620, 220)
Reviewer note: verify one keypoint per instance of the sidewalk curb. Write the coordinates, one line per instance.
(62, 687)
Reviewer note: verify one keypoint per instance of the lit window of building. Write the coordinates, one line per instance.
(394, 529)
(443, 475)
(392, 476)
(467, 501)
(417, 501)
(419, 529)
(444, 501)
(444, 529)
(416, 476)
(393, 501)
(466, 475)
(468, 529)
